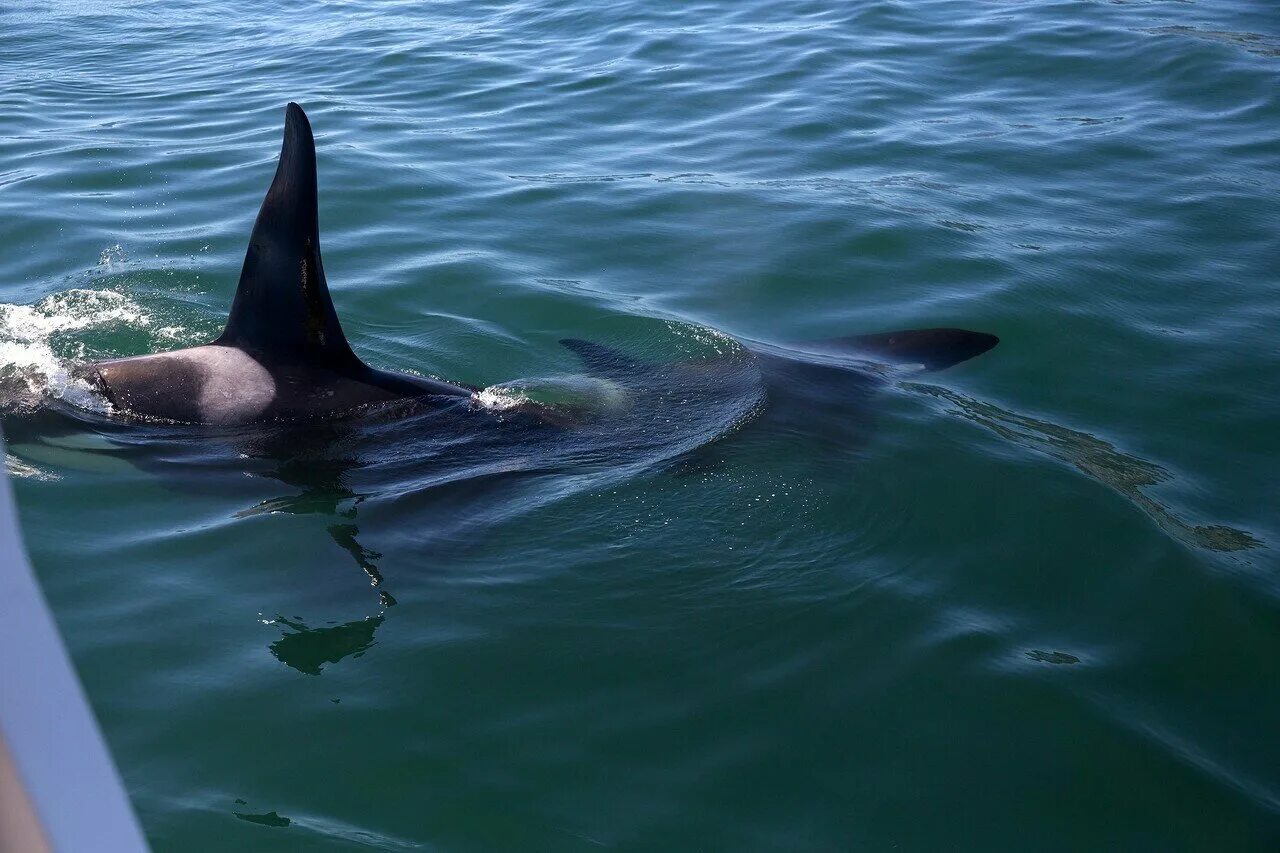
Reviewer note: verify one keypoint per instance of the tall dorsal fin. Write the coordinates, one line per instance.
(282, 308)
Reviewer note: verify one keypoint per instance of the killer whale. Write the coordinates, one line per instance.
(282, 355)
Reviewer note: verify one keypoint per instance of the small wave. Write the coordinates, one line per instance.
(41, 343)
(23, 469)
(1255, 43)
(35, 365)
(707, 342)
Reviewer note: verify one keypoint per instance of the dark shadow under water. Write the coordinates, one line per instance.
(448, 468)
(451, 471)
(1126, 474)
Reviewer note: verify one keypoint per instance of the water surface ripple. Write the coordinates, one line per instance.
(1028, 603)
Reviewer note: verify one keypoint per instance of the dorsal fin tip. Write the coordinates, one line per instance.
(298, 139)
(282, 308)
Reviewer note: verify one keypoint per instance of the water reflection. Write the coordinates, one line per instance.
(308, 649)
(1056, 658)
(1126, 474)
(269, 819)
(325, 491)
(1253, 42)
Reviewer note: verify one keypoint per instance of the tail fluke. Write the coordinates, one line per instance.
(933, 349)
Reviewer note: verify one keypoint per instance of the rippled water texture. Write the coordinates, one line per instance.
(1027, 603)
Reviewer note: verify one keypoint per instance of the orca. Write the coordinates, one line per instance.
(283, 356)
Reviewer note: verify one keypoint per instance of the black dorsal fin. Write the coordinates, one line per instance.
(602, 360)
(282, 308)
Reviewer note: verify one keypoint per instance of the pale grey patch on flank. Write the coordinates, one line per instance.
(234, 387)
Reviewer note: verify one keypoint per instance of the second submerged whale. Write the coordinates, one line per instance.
(283, 356)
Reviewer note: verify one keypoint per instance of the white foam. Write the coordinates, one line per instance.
(579, 393)
(28, 361)
(21, 468)
(501, 398)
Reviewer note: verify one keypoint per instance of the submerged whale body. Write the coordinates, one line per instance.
(283, 355)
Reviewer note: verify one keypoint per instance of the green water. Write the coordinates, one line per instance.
(1030, 603)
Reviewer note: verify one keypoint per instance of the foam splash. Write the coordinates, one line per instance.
(111, 256)
(581, 394)
(501, 398)
(20, 468)
(32, 369)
